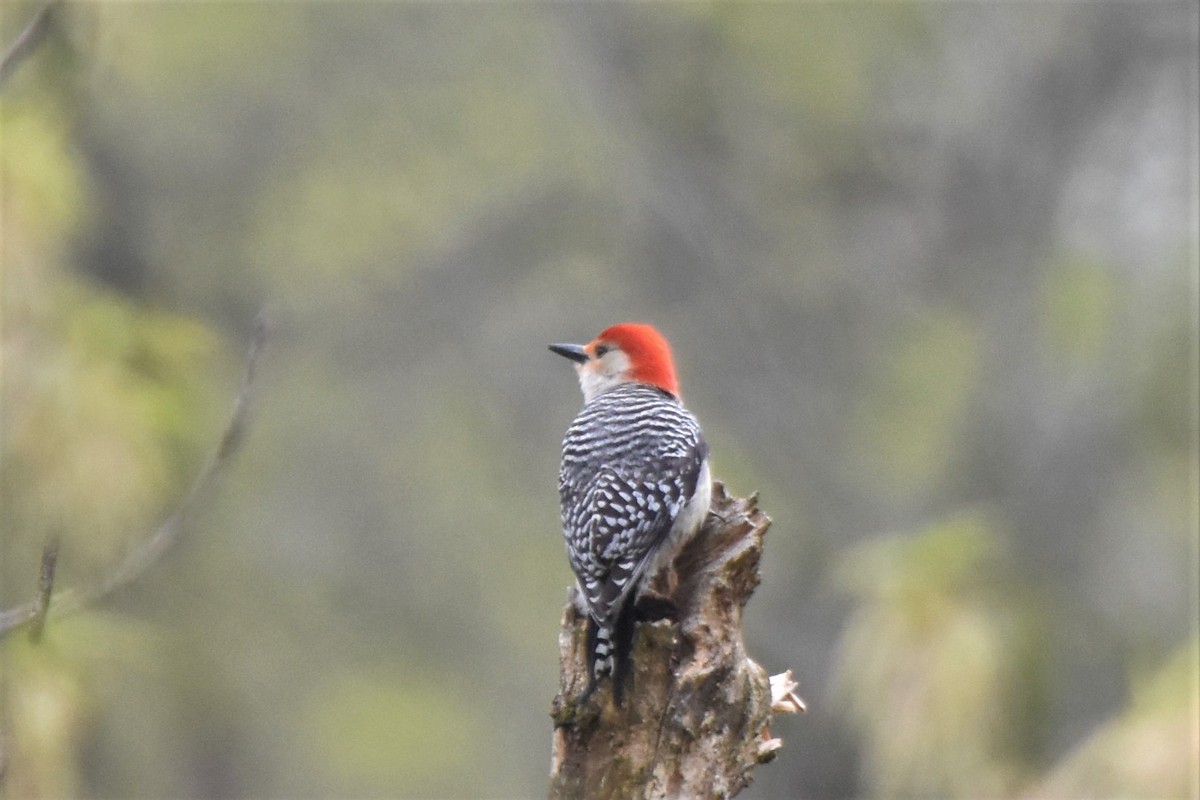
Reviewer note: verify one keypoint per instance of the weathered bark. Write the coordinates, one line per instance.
(694, 721)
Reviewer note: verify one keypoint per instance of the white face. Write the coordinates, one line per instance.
(598, 375)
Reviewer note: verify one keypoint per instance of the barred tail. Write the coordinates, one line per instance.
(600, 655)
(603, 653)
(608, 649)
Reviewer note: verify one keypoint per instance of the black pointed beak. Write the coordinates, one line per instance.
(575, 352)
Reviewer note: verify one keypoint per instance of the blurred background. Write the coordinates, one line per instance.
(929, 270)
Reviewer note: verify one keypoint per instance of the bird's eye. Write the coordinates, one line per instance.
(601, 350)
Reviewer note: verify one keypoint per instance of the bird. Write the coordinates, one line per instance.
(634, 484)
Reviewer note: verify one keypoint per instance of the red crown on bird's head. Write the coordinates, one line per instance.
(648, 351)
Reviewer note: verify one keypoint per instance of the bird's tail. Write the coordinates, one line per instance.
(608, 648)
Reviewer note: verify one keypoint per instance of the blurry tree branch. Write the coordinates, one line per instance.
(35, 613)
(27, 41)
(696, 719)
(45, 588)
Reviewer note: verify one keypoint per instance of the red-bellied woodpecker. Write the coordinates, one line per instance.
(634, 483)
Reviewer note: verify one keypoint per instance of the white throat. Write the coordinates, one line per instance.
(597, 376)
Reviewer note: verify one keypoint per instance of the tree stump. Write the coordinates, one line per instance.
(695, 717)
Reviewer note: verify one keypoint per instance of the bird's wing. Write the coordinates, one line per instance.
(624, 514)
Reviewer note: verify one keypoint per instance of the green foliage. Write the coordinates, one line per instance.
(377, 730)
(102, 406)
(1167, 469)
(43, 186)
(911, 418)
(930, 661)
(50, 689)
(104, 402)
(365, 166)
(47, 718)
(1078, 304)
(819, 65)
(1149, 749)
(105, 406)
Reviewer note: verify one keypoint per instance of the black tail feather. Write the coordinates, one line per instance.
(593, 632)
(608, 653)
(623, 649)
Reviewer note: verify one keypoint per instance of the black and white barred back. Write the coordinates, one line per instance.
(631, 461)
